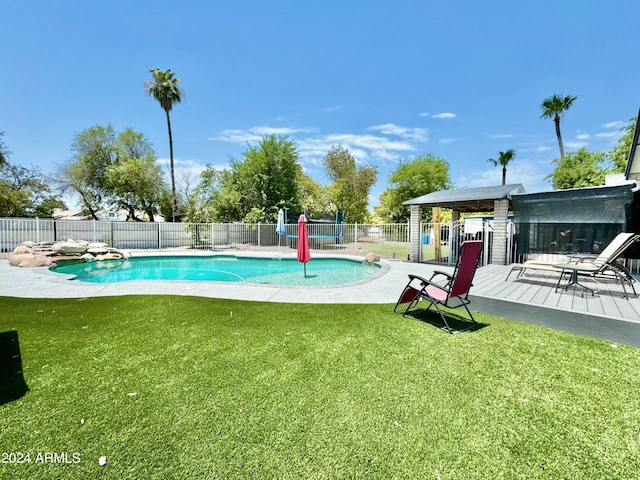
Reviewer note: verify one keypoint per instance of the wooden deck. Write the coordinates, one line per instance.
(533, 298)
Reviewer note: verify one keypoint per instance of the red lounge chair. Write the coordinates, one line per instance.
(451, 294)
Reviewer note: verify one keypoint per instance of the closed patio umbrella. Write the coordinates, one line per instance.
(280, 227)
(304, 255)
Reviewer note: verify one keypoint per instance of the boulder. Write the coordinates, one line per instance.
(70, 247)
(15, 259)
(44, 254)
(97, 250)
(36, 261)
(109, 256)
(98, 245)
(20, 249)
(88, 257)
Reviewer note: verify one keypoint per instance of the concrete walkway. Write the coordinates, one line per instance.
(384, 287)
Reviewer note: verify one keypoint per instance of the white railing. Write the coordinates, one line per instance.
(386, 240)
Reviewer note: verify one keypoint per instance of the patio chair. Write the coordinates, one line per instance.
(608, 262)
(450, 292)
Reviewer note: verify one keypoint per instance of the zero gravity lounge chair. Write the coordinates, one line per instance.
(452, 292)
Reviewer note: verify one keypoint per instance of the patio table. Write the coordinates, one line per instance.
(574, 269)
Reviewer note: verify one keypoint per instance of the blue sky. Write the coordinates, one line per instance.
(388, 80)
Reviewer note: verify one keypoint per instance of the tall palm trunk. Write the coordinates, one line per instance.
(556, 119)
(504, 174)
(173, 177)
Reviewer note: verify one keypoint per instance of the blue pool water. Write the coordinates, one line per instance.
(223, 268)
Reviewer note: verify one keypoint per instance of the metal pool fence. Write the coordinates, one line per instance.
(439, 242)
(385, 240)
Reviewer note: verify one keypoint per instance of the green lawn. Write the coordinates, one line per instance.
(178, 388)
(398, 250)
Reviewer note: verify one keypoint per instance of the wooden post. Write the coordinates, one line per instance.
(435, 219)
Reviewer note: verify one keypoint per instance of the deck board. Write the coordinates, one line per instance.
(532, 297)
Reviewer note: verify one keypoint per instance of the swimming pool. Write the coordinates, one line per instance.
(224, 268)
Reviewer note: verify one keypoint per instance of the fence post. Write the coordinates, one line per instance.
(38, 229)
(355, 239)
(258, 234)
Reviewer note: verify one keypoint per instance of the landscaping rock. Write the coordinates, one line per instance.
(71, 246)
(20, 249)
(44, 254)
(29, 260)
(88, 257)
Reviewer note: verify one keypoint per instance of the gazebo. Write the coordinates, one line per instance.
(482, 199)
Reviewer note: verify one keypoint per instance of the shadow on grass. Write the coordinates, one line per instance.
(457, 323)
(12, 384)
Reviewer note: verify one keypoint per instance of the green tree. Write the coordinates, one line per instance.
(420, 176)
(164, 87)
(267, 176)
(503, 160)
(349, 191)
(4, 152)
(113, 170)
(619, 155)
(578, 169)
(94, 152)
(135, 181)
(253, 188)
(314, 197)
(25, 192)
(555, 107)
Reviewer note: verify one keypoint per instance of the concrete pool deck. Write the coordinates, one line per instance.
(384, 287)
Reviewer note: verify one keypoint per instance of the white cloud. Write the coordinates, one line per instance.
(447, 141)
(264, 130)
(525, 171)
(424, 114)
(583, 136)
(415, 134)
(542, 148)
(255, 134)
(499, 136)
(577, 144)
(617, 124)
(393, 142)
(331, 109)
(608, 135)
(237, 136)
(444, 115)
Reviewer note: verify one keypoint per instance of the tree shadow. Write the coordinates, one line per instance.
(12, 384)
(457, 323)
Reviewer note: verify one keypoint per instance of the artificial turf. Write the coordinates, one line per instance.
(168, 387)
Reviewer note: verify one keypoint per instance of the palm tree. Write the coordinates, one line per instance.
(164, 88)
(504, 159)
(554, 107)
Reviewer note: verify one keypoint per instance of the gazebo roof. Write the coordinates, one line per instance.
(467, 199)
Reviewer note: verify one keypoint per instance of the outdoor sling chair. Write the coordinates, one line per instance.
(450, 292)
(608, 263)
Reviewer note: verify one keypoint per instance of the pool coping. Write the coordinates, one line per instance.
(383, 287)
